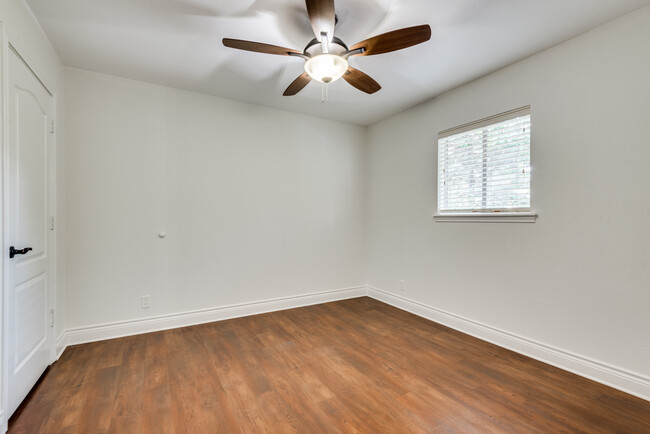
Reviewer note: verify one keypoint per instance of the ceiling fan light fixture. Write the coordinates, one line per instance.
(326, 68)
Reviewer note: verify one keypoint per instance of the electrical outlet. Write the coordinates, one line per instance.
(402, 285)
(145, 301)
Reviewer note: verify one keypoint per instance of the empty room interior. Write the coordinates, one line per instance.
(369, 216)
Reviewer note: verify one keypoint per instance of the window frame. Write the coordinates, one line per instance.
(515, 215)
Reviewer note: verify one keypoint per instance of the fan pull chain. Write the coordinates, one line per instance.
(324, 95)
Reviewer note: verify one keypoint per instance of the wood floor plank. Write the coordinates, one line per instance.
(157, 410)
(354, 366)
(98, 407)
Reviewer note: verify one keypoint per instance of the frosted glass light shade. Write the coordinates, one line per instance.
(326, 68)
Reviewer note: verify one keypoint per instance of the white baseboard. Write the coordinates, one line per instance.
(3, 422)
(618, 378)
(101, 332)
(621, 379)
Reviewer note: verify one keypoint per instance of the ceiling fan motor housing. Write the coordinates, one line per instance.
(314, 48)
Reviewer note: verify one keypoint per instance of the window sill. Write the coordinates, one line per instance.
(497, 217)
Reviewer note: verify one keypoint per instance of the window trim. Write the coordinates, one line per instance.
(482, 217)
(487, 216)
(481, 123)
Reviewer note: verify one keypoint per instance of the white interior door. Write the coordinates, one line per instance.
(29, 124)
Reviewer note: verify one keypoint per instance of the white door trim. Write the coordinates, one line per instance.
(3, 133)
(5, 47)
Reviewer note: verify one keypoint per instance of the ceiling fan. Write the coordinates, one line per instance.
(326, 56)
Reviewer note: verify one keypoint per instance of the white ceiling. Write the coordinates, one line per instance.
(178, 43)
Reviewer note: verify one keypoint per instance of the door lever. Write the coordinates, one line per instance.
(13, 252)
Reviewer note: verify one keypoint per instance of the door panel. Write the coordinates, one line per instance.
(31, 331)
(32, 137)
(29, 335)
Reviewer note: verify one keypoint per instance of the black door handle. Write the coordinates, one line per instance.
(13, 252)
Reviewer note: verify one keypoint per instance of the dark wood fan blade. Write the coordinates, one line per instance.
(322, 17)
(258, 47)
(297, 85)
(395, 40)
(361, 81)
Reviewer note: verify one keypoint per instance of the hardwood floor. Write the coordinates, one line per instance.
(351, 366)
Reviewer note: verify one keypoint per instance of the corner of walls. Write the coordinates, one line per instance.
(366, 203)
(621, 379)
(573, 283)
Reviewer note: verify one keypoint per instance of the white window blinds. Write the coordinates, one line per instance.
(484, 166)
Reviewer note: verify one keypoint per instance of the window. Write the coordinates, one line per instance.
(484, 166)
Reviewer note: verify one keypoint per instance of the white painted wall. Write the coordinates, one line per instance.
(579, 278)
(257, 203)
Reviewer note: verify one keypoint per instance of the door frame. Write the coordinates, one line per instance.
(5, 48)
